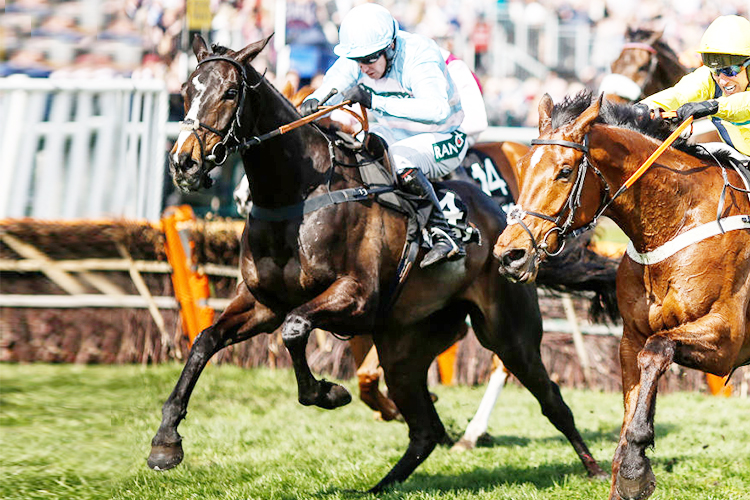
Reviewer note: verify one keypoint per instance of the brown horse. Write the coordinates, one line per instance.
(684, 287)
(319, 252)
(646, 65)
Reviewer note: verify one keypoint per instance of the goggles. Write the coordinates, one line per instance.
(372, 58)
(732, 70)
(725, 64)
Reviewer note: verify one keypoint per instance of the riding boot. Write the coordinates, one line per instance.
(444, 245)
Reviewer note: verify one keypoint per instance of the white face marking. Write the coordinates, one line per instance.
(536, 157)
(192, 114)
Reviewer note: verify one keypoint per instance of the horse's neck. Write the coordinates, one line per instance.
(282, 170)
(660, 203)
(670, 69)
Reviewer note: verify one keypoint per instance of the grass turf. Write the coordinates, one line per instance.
(80, 432)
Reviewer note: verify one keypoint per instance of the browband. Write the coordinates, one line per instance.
(560, 142)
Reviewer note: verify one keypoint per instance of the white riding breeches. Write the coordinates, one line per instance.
(435, 154)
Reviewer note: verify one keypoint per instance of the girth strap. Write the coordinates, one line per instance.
(316, 203)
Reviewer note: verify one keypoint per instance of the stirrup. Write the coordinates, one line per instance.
(444, 247)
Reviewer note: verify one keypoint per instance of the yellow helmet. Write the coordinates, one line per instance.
(727, 36)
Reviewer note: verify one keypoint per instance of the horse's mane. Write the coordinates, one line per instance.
(625, 116)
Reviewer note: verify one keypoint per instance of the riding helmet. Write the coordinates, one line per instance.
(365, 30)
(726, 42)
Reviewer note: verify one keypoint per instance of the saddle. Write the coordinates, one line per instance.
(376, 171)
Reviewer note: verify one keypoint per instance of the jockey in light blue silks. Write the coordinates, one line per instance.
(403, 79)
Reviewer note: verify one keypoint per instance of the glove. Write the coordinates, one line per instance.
(309, 107)
(698, 109)
(642, 112)
(359, 94)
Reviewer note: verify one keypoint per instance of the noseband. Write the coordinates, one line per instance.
(572, 203)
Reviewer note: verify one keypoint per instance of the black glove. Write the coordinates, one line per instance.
(698, 109)
(309, 107)
(642, 112)
(359, 94)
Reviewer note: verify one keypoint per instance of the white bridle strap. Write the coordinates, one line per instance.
(687, 238)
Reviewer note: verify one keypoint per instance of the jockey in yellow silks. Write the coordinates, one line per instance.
(719, 88)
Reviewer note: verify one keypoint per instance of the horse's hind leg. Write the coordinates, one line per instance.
(405, 357)
(244, 318)
(479, 423)
(368, 373)
(515, 335)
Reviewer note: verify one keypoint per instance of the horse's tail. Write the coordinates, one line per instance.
(581, 271)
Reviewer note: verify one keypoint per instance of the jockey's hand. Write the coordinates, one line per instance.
(359, 94)
(642, 112)
(309, 107)
(698, 109)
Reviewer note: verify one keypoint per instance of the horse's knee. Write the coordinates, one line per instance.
(294, 329)
(658, 353)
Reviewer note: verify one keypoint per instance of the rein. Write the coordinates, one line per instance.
(573, 202)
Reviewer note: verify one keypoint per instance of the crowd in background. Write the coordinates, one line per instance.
(147, 39)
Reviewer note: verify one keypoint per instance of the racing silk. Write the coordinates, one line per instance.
(415, 96)
(470, 91)
(733, 118)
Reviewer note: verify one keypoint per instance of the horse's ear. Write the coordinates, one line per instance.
(199, 47)
(655, 36)
(545, 113)
(583, 123)
(248, 53)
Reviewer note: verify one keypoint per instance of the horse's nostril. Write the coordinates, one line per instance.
(182, 162)
(514, 255)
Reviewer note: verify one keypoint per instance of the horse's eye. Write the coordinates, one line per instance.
(564, 173)
(230, 94)
(645, 67)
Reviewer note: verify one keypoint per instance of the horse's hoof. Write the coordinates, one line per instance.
(165, 457)
(637, 488)
(329, 396)
(463, 445)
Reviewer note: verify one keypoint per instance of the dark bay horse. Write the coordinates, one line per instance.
(646, 65)
(684, 286)
(578, 269)
(333, 268)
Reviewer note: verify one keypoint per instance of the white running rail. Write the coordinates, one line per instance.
(82, 148)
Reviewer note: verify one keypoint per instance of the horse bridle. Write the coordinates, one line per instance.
(572, 203)
(652, 66)
(221, 151)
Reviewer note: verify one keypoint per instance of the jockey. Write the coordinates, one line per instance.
(403, 79)
(719, 88)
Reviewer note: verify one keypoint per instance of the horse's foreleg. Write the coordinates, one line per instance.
(704, 344)
(343, 297)
(243, 319)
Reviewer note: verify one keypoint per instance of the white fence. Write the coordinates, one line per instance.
(82, 148)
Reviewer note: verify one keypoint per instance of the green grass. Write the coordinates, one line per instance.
(73, 432)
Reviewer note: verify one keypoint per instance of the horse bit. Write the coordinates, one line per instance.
(572, 203)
